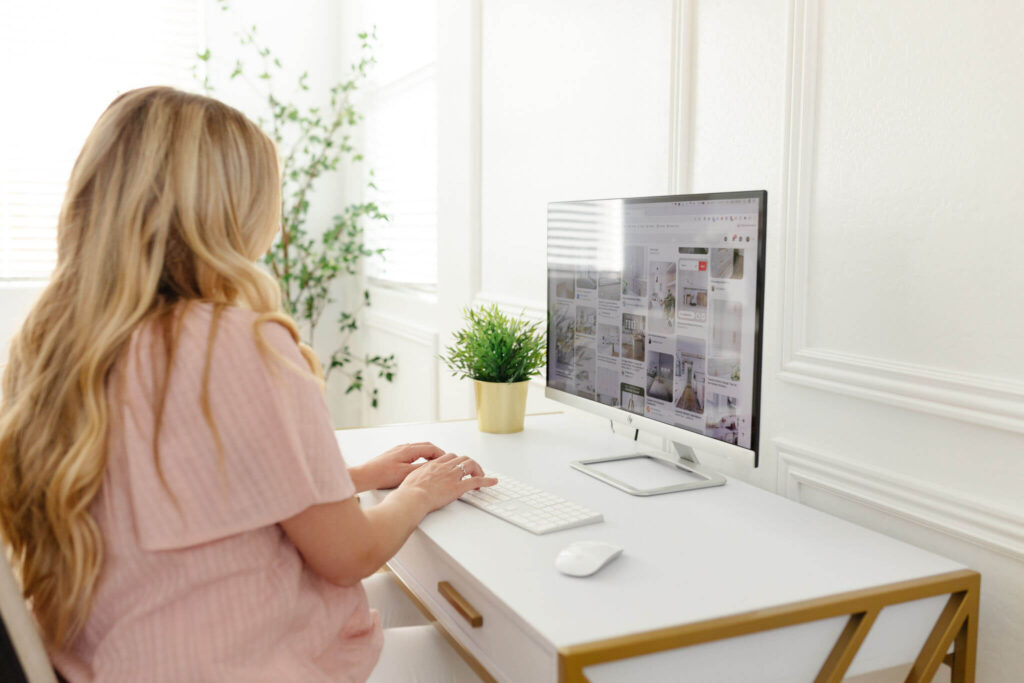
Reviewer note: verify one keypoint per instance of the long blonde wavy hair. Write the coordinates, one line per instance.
(172, 200)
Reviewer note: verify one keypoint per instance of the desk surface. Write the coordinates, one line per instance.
(688, 556)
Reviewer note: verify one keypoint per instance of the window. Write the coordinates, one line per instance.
(60, 65)
(400, 140)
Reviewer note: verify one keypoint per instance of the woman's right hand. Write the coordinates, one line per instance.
(442, 480)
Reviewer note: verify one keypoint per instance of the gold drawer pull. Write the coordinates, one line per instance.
(460, 604)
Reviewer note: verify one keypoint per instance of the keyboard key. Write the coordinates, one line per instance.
(530, 508)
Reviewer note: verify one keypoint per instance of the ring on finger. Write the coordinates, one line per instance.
(462, 468)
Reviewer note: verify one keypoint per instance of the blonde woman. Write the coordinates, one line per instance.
(171, 492)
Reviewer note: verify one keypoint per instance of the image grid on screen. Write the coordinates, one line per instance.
(659, 319)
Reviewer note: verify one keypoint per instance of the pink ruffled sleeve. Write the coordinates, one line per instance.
(279, 453)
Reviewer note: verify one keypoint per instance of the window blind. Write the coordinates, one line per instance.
(61, 63)
(400, 141)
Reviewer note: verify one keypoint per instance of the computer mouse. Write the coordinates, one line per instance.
(583, 558)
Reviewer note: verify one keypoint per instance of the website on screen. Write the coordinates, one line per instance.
(665, 326)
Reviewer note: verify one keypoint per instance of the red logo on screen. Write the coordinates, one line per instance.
(703, 265)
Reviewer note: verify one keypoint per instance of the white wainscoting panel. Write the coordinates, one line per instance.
(413, 396)
(803, 473)
(978, 397)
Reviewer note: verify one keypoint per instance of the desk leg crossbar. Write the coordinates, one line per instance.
(957, 625)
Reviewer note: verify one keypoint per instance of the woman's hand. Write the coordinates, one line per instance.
(444, 479)
(344, 542)
(389, 469)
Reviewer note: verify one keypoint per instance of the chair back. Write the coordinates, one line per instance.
(23, 657)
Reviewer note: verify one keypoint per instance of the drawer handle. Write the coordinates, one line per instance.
(460, 604)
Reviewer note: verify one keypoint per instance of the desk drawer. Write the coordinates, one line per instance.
(502, 643)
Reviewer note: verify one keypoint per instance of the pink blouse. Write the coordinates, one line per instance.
(203, 585)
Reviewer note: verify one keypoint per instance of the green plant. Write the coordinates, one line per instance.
(494, 347)
(313, 141)
(669, 306)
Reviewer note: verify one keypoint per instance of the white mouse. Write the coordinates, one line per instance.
(583, 558)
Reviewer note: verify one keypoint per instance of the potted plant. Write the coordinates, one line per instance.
(500, 354)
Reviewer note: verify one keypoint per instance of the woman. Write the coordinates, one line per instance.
(170, 488)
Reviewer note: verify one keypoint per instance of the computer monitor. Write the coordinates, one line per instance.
(655, 309)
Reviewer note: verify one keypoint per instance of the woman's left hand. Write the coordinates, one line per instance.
(389, 469)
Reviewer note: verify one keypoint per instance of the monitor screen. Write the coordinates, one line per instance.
(655, 308)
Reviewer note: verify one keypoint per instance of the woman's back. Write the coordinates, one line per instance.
(198, 581)
(196, 522)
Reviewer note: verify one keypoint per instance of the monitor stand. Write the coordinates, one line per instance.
(687, 462)
(690, 463)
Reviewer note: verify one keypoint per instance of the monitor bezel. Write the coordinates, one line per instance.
(701, 442)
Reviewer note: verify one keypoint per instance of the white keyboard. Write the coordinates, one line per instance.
(530, 508)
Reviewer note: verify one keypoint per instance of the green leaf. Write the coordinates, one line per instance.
(494, 347)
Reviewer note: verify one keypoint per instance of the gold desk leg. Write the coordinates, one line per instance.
(846, 647)
(965, 646)
(570, 672)
(954, 621)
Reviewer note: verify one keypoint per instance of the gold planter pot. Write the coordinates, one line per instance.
(500, 406)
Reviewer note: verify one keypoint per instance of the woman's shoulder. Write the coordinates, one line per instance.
(201, 333)
(195, 322)
(199, 318)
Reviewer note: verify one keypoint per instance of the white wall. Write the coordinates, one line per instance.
(888, 135)
(575, 106)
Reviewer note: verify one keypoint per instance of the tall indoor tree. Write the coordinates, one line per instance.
(310, 266)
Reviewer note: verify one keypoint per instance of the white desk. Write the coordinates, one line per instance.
(698, 567)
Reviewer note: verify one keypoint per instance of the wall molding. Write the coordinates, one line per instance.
(680, 94)
(417, 334)
(798, 141)
(424, 336)
(926, 505)
(402, 84)
(532, 310)
(979, 399)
